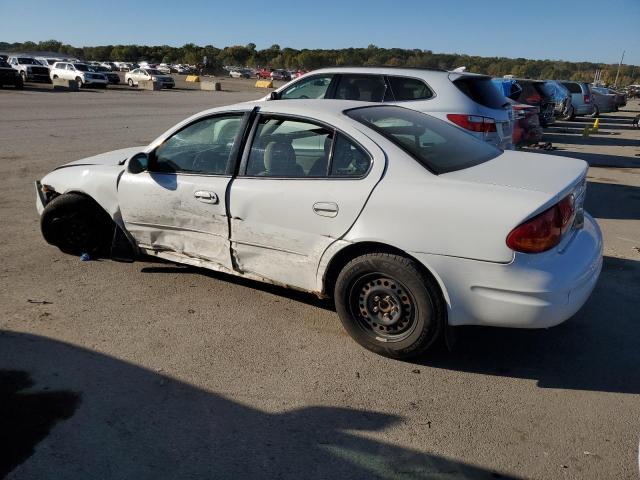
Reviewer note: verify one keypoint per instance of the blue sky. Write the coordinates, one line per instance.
(562, 29)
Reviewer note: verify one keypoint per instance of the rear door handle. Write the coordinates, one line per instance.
(326, 209)
(206, 197)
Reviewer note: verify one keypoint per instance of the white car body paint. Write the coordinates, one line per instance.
(455, 224)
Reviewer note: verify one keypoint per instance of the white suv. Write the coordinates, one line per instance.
(467, 100)
(80, 72)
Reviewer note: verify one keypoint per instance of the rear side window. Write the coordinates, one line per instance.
(366, 88)
(348, 159)
(572, 87)
(481, 90)
(438, 146)
(409, 88)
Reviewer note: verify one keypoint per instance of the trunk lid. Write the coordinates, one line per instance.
(548, 174)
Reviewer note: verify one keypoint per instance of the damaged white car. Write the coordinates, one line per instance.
(410, 224)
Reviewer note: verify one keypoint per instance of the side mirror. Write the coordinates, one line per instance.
(274, 96)
(138, 163)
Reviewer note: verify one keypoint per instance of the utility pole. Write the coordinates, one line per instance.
(615, 82)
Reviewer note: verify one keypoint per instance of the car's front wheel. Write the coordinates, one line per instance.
(389, 305)
(130, 82)
(76, 224)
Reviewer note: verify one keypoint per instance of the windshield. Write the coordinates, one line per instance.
(4, 64)
(438, 146)
(27, 61)
(82, 67)
(151, 71)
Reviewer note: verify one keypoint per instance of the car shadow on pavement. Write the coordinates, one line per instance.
(596, 350)
(136, 423)
(296, 295)
(613, 201)
(593, 139)
(601, 160)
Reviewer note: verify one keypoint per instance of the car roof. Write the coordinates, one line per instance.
(311, 108)
(402, 71)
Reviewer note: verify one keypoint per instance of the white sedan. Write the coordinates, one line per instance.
(134, 77)
(410, 224)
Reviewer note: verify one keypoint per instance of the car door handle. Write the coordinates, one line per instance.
(326, 209)
(206, 197)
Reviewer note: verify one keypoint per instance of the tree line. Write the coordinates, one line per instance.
(291, 58)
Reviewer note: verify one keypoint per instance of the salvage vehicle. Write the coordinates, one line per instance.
(526, 125)
(528, 92)
(467, 100)
(134, 77)
(112, 77)
(82, 73)
(581, 99)
(10, 76)
(30, 69)
(240, 73)
(618, 99)
(603, 102)
(282, 75)
(263, 73)
(410, 224)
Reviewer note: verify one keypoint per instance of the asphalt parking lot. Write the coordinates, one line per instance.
(151, 370)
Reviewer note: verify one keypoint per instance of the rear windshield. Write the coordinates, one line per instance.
(572, 87)
(438, 146)
(482, 91)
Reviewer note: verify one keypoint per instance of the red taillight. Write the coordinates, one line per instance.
(544, 231)
(533, 99)
(587, 99)
(474, 123)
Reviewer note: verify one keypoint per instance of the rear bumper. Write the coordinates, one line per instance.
(533, 291)
(584, 109)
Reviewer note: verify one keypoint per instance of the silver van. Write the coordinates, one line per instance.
(582, 102)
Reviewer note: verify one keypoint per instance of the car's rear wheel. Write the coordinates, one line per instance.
(19, 84)
(79, 82)
(389, 305)
(570, 114)
(76, 224)
(130, 82)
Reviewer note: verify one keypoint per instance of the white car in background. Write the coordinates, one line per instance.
(164, 68)
(80, 72)
(467, 100)
(134, 77)
(410, 224)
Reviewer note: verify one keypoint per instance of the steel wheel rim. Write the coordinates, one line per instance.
(383, 307)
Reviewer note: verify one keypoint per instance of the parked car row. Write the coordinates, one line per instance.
(264, 73)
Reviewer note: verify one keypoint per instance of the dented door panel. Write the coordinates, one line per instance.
(276, 231)
(176, 213)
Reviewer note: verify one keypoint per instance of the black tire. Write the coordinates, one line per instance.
(24, 77)
(596, 112)
(130, 82)
(79, 82)
(19, 84)
(570, 115)
(76, 225)
(389, 305)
